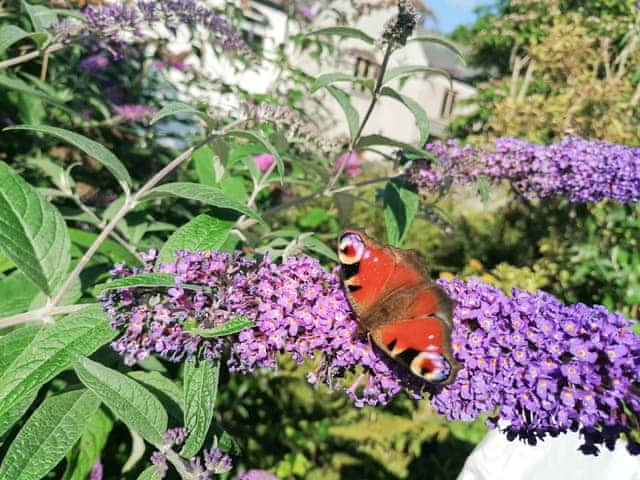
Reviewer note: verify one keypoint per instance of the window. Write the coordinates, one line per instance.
(253, 39)
(365, 68)
(448, 103)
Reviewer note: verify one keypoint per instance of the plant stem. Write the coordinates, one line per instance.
(374, 99)
(41, 312)
(179, 463)
(31, 55)
(101, 224)
(130, 203)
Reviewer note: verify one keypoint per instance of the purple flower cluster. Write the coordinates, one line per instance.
(548, 367)
(117, 22)
(298, 309)
(257, 475)
(583, 170)
(212, 461)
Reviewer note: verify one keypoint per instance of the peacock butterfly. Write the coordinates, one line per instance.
(403, 310)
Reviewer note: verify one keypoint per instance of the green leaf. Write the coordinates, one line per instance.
(169, 394)
(17, 293)
(372, 140)
(47, 435)
(176, 108)
(32, 232)
(90, 446)
(353, 118)
(483, 189)
(20, 86)
(139, 280)
(58, 175)
(203, 193)
(150, 474)
(91, 148)
(200, 391)
(315, 245)
(10, 34)
(329, 78)
(42, 17)
(403, 70)
(419, 114)
(344, 32)
(116, 252)
(400, 208)
(53, 350)
(234, 325)
(204, 162)
(13, 343)
(257, 137)
(440, 41)
(202, 233)
(128, 400)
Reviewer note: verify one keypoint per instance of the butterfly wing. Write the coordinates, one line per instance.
(407, 314)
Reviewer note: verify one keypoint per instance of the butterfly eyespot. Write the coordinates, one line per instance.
(350, 248)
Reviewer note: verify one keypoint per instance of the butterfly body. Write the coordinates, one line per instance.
(404, 311)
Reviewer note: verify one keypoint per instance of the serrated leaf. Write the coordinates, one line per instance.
(419, 114)
(14, 342)
(483, 189)
(139, 280)
(400, 208)
(202, 233)
(344, 32)
(235, 325)
(149, 474)
(329, 78)
(165, 389)
(32, 232)
(257, 137)
(53, 350)
(176, 108)
(10, 34)
(203, 193)
(90, 445)
(42, 18)
(20, 86)
(47, 435)
(351, 114)
(200, 391)
(368, 141)
(88, 146)
(404, 70)
(138, 408)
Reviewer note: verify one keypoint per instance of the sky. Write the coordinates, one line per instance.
(451, 13)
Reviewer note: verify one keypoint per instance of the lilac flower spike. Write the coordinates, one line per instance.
(542, 367)
(117, 23)
(583, 170)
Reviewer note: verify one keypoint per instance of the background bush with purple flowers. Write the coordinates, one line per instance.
(170, 305)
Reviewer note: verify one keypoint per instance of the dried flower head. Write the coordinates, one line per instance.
(400, 27)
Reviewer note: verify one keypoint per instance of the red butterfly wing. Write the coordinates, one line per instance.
(407, 314)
